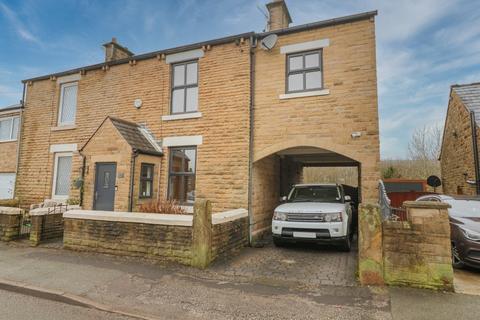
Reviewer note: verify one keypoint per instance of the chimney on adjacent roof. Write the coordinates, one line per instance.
(114, 51)
(278, 15)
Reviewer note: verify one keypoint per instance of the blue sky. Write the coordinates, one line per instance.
(423, 46)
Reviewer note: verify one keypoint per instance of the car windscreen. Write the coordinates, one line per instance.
(464, 208)
(315, 194)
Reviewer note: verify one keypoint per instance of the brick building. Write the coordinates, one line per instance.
(233, 120)
(9, 129)
(459, 154)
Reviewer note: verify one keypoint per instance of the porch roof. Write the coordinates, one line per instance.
(136, 136)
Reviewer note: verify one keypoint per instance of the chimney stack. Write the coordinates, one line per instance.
(114, 51)
(278, 15)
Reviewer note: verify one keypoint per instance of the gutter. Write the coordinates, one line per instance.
(253, 45)
(132, 180)
(475, 152)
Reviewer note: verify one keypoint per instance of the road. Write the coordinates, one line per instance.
(15, 306)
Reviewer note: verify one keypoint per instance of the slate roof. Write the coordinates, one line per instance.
(470, 96)
(136, 136)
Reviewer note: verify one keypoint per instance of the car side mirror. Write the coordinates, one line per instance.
(283, 199)
(348, 198)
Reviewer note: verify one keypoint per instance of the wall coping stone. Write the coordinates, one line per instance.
(227, 216)
(426, 205)
(135, 217)
(45, 210)
(11, 211)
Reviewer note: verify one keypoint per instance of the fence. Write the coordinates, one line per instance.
(387, 210)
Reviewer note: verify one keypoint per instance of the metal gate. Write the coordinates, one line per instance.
(25, 225)
(389, 212)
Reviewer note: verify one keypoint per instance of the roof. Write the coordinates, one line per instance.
(299, 28)
(136, 136)
(14, 107)
(470, 96)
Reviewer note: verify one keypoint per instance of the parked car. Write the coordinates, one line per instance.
(319, 213)
(464, 217)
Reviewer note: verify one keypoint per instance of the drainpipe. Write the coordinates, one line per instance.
(475, 151)
(253, 45)
(132, 180)
(19, 138)
(84, 162)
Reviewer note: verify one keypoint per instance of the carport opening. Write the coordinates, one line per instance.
(275, 175)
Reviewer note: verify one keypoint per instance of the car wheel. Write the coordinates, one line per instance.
(347, 244)
(278, 242)
(456, 261)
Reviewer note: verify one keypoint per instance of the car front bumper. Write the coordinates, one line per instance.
(325, 232)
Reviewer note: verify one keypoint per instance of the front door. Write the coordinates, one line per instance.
(104, 196)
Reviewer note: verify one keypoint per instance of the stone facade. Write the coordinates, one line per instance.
(415, 253)
(225, 164)
(457, 162)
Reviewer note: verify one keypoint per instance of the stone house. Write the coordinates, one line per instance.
(233, 120)
(459, 156)
(9, 125)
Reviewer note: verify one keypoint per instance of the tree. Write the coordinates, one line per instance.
(390, 172)
(424, 149)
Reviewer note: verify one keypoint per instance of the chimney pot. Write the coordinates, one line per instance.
(278, 15)
(115, 51)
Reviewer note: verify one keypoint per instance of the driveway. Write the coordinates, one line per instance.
(467, 281)
(305, 265)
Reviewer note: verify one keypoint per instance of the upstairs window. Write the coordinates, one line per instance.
(146, 180)
(304, 71)
(9, 129)
(185, 87)
(68, 103)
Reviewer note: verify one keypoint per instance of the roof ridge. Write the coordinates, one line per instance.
(465, 84)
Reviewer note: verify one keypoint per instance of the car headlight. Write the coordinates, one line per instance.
(471, 235)
(282, 216)
(333, 217)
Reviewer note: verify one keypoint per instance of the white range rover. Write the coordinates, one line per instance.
(314, 212)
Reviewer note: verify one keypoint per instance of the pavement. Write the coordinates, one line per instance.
(260, 283)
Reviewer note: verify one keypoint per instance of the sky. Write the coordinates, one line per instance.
(423, 46)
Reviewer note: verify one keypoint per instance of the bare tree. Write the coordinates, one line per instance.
(425, 143)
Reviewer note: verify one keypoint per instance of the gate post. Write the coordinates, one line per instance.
(202, 234)
(370, 245)
(10, 219)
(36, 229)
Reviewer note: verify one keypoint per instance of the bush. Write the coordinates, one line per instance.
(10, 203)
(162, 206)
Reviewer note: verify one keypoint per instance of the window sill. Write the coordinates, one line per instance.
(322, 92)
(64, 127)
(182, 116)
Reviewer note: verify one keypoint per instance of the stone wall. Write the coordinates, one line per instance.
(10, 219)
(414, 253)
(228, 238)
(457, 163)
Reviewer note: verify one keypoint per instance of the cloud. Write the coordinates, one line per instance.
(18, 26)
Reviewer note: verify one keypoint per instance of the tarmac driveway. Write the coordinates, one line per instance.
(302, 264)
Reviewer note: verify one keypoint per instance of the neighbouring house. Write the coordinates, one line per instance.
(9, 126)
(233, 120)
(459, 156)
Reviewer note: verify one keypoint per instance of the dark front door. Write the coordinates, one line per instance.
(105, 186)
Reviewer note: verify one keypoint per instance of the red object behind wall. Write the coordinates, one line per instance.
(397, 198)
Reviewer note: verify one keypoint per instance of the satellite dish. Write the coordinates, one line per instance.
(269, 42)
(434, 181)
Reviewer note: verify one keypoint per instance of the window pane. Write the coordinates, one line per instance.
(5, 129)
(296, 63)
(312, 60)
(295, 82)
(190, 159)
(313, 80)
(178, 100)
(16, 122)
(64, 167)
(179, 75)
(69, 104)
(192, 73)
(190, 189)
(146, 188)
(192, 99)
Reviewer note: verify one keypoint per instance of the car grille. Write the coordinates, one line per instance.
(306, 217)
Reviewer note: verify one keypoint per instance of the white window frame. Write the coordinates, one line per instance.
(11, 127)
(55, 167)
(60, 107)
